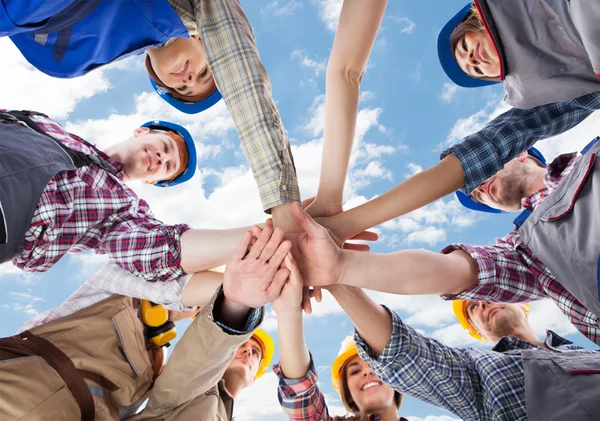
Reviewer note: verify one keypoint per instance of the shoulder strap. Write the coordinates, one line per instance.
(80, 159)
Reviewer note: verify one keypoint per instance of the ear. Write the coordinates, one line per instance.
(140, 131)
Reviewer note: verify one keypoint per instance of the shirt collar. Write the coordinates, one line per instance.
(508, 343)
(111, 163)
(556, 171)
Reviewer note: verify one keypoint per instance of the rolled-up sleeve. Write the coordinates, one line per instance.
(484, 153)
(244, 84)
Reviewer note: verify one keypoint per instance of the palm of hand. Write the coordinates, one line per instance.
(318, 258)
(248, 282)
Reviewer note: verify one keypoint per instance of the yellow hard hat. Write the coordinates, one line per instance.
(347, 351)
(268, 347)
(460, 311)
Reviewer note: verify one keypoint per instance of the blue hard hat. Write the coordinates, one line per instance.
(191, 149)
(184, 106)
(446, 55)
(468, 202)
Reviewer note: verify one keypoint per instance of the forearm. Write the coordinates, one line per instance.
(414, 193)
(409, 272)
(201, 288)
(357, 28)
(372, 321)
(295, 359)
(206, 249)
(283, 218)
(230, 313)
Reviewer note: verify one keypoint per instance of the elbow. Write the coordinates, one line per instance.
(348, 75)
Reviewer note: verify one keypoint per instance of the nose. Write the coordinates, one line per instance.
(189, 79)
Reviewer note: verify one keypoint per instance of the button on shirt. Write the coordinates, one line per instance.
(509, 272)
(244, 84)
(475, 384)
(89, 208)
(484, 153)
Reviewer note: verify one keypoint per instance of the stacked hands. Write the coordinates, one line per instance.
(287, 270)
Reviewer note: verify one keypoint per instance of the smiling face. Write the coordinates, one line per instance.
(519, 178)
(368, 393)
(246, 361)
(496, 320)
(181, 65)
(476, 55)
(149, 156)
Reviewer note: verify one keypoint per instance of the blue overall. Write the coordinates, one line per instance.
(68, 38)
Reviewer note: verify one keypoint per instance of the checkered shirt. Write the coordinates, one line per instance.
(90, 208)
(509, 271)
(475, 384)
(484, 153)
(301, 399)
(243, 81)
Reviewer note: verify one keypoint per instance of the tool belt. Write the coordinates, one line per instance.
(27, 344)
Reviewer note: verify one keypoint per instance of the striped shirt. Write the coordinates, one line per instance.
(510, 272)
(475, 384)
(243, 81)
(484, 153)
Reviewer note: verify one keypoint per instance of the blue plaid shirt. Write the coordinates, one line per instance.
(475, 384)
(484, 153)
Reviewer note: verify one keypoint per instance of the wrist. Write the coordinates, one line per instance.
(343, 267)
(285, 316)
(233, 308)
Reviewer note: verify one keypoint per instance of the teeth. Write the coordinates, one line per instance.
(181, 69)
(369, 385)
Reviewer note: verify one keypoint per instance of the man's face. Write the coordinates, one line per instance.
(181, 65)
(495, 320)
(246, 361)
(507, 189)
(150, 156)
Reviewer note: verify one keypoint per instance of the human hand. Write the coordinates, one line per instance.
(254, 275)
(290, 299)
(318, 256)
(316, 207)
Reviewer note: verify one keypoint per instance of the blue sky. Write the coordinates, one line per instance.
(409, 112)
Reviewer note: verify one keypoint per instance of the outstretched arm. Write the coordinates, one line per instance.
(354, 39)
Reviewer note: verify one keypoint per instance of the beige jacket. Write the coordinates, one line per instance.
(190, 386)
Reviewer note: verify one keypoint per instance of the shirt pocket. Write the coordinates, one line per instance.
(564, 199)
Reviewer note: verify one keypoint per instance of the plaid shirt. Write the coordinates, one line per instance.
(301, 399)
(89, 208)
(484, 153)
(509, 272)
(475, 384)
(245, 86)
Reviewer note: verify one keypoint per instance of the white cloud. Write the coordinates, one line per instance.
(28, 309)
(305, 61)
(448, 92)
(280, 9)
(407, 25)
(25, 87)
(429, 235)
(329, 11)
(546, 315)
(27, 296)
(259, 401)
(414, 168)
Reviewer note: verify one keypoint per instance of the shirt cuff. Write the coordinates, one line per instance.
(283, 190)
(401, 333)
(252, 321)
(486, 273)
(291, 388)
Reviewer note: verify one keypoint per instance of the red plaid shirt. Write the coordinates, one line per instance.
(89, 208)
(509, 272)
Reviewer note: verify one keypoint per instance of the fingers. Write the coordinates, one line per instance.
(277, 259)
(304, 220)
(260, 244)
(366, 236)
(274, 289)
(307, 202)
(243, 246)
(269, 222)
(256, 230)
(357, 247)
(272, 245)
(292, 266)
(317, 294)
(306, 305)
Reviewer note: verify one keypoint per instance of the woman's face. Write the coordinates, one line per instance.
(476, 55)
(181, 65)
(368, 392)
